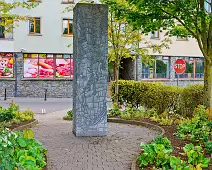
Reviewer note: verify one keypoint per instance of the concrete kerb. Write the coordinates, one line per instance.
(26, 126)
(138, 123)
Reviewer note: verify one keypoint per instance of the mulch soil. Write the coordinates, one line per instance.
(177, 143)
(13, 126)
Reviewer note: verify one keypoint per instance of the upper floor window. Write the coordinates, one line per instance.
(2, 29)
(208, 6)
(155, 34)
(34, 26)
(67, 1)
(67, 27)
(34, 0)
(179, 38)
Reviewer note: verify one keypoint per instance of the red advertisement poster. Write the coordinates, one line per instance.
(46, 68)
(31, 68)
(72, 68)
(6, 65)
(63, 68)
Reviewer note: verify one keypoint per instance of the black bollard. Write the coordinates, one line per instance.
(5, 94)
(45, 94)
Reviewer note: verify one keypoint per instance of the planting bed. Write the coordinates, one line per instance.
(177, 143)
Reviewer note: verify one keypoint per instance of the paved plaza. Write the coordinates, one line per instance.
(67, 152)
(116, 151)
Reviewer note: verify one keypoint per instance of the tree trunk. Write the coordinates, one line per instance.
(117, 85)
(208, 86)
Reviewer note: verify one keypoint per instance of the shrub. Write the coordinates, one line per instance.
(159, 154)
(198, 129)
(69, 116)
(21, 151)
(191, 97)
(158, 96)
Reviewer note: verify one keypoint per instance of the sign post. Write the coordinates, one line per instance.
(180, 68)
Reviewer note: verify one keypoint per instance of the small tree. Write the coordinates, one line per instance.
(124, 42)
(184, 18)
(9, 18)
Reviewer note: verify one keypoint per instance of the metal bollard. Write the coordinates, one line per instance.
(45, 94)
(5, 94)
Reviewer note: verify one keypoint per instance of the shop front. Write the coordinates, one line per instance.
(30, 75)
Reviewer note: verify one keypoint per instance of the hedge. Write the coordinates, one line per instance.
(159, 96)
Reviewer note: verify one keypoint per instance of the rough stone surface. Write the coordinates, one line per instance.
(90, 70)
(116, 151)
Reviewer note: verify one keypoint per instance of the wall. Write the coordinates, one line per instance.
(181, 83)
(51, 39)
(177, 47)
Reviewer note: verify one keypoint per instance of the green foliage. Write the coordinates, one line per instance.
(12, 115)
(18, 151)
(195, 156)
(159, 97)
(198, 129)
(158, 153)
(70, 115)
(27, 115)
(191, 97)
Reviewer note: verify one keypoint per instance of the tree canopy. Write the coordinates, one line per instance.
(8, 17)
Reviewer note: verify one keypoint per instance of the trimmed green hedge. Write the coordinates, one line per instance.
(159, 96)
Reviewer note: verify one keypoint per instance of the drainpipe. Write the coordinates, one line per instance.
(16, 75)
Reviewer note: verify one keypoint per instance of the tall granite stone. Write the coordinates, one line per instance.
(90, 86)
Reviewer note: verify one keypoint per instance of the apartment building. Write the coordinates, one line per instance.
(162, 70)
(38, 55)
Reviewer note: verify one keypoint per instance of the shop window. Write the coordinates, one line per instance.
(190, 67)
(48, 66)
(6, 65)
(67, 27)
(155, 35)
(158, 69)
(199, 67)
(34, 26)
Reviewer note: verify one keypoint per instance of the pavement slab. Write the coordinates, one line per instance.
(116, 151)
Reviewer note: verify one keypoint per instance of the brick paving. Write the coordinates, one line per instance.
(67, 152)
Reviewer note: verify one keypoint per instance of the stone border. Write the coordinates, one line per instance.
(138, 123)
(26, 126)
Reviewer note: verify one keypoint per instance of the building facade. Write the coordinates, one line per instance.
(37, 55)
(162, 69)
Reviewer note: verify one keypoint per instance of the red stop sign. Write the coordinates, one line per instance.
(180, 66)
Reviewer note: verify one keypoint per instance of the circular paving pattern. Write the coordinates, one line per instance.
(116, 151)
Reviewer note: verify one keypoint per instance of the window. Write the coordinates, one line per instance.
(208, 6)
(48, 66)
(179, 38)
(155, 34)
(2, 29)
(67, 27)
(158, 69)
(34, 26)
(34, 1)
(67, 1)
(6, 65)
